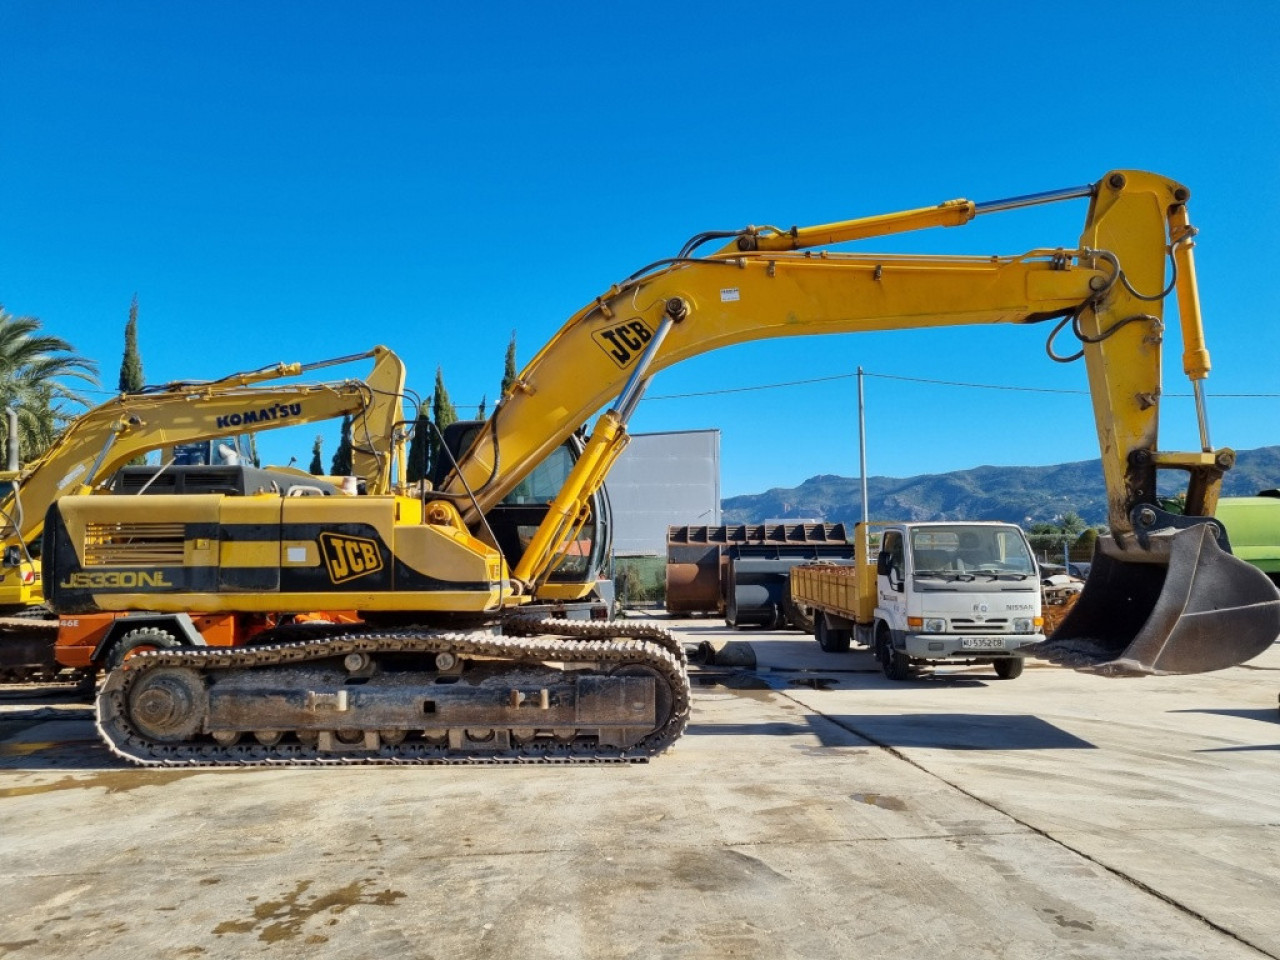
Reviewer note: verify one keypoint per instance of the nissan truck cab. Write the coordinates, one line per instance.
(955, 593)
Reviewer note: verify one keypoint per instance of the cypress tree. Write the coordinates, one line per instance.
(416, 467)
(484, 402)
(443, 413)
(317, 465)
(509, 371)
(341, 466)
(131, 379)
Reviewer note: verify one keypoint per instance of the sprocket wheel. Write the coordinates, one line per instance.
(168, 704)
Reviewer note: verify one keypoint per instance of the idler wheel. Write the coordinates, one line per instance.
(168, 704)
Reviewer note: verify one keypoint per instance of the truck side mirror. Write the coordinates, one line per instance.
(882, 563)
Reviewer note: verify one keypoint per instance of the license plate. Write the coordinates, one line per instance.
(982, 643)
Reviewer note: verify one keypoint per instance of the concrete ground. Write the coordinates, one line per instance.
(813, 809)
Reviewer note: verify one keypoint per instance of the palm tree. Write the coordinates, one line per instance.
(31, 366)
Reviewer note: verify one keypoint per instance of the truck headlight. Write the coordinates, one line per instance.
(1023, 625)
(935, 625)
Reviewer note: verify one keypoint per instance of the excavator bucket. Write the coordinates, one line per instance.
(1181, 604)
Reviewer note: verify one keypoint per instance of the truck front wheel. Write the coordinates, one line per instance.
(896, 665)
(1008, 668)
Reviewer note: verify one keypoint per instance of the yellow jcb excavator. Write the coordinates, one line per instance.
(426, 679)
(89, 454)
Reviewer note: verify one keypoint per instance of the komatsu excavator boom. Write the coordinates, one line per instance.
(406, 686)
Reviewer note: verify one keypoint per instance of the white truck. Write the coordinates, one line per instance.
(933, 593)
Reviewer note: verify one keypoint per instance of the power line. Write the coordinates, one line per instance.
(762, 386)
(977, 386)
(941, 383)
(781, 385)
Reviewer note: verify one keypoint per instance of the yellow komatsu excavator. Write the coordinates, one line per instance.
(417, 682)
(88, 455)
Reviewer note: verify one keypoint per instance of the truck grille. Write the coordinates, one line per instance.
(133, 544)
(995, 625)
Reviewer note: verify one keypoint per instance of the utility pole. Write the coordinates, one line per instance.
(862, 445)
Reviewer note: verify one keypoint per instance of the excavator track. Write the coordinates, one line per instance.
(589, 630)
(402, 696)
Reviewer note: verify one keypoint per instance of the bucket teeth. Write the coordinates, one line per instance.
(1181, 605)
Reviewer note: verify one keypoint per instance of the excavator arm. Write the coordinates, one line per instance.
(693, 306)
(107, 437)
(1170, 598)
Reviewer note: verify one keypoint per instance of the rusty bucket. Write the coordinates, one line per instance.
(1177, 603)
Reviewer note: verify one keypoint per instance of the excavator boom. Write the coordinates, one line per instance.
(769, 283)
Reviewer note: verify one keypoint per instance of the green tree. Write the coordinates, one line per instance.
(131, 379)
(1073, 524)
(1082, 549)
(32, 366)
(416, 466)
(341, 466)
(1050, 541)
(509, 371)
(317, 465)
(484, 403)
(443, 413)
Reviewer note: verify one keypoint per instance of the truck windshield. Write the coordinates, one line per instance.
(959, 551)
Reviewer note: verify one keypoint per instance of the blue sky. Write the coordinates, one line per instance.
(297, 181)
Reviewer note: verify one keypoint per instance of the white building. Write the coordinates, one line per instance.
(663, 479)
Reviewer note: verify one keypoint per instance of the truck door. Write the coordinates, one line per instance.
(891, 575)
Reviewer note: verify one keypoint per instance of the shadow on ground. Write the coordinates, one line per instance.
(956, 731)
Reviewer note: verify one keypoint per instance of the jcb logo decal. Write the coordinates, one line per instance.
(349, 557)
(623, 341)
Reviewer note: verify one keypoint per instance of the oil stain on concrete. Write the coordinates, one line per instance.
(29, 748)
(880, 800)
(283, 919)
(115, 781)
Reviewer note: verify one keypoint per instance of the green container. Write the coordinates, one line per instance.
(1253, 525)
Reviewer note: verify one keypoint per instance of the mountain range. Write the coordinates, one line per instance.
(1024, 495)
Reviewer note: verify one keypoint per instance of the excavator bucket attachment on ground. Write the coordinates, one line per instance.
(1182, 604)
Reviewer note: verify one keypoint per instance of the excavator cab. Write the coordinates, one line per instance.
(220, 451)
(514, 521)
